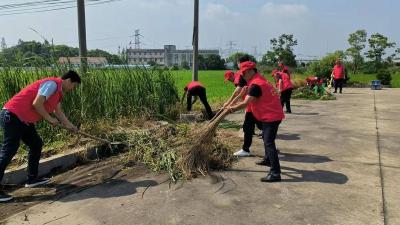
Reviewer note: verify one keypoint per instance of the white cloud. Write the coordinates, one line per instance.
(284, 10)
(218, 12)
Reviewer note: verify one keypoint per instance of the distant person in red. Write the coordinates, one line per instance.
(285, 87)
(196, 89)
(273, 75)
(264, 103)
(339, 75)
(284, 69)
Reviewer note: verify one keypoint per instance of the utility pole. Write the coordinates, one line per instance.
(137, 39)
(231, 44)
(82, 36)
(195, 42)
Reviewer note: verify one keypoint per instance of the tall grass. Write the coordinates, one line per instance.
(105, 94)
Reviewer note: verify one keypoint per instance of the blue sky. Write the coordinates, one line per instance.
(320, 26)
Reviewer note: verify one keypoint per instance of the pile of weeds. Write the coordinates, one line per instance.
(308, 94)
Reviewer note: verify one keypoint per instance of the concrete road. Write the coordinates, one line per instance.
(340, 163)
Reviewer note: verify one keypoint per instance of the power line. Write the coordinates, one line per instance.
(29, 11)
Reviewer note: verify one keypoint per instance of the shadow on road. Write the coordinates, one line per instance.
(288, 137)
(320, 176)
(305, 114)
(110, 189)
(303, 158)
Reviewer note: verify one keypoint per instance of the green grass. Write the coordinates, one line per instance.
(218, 91)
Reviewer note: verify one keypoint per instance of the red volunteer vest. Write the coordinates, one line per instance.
(236, 79)
(193, 84)
(21, 103)
(248, 108)
(286, 83)
(338, 72)
(267, 107)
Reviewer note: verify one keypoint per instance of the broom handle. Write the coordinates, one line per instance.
(222, 113)
(216, 115)
(93, 137)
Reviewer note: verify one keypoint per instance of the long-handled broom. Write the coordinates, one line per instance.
(195, 159)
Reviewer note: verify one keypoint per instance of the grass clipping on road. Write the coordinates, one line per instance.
(182, 150)
(203, 151)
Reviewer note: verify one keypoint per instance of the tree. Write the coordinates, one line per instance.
(235, 57)
(323, 68)
(185, 65)
(357, 42)
(378, 45)
(3, 45)
(281, 50)
(214, 62)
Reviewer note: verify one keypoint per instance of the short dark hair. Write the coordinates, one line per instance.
(74, 76)
(244, 58)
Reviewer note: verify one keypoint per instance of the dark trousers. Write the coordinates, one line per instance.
(201, 93)
(270, 130)
(285, 99)
(339, 84)
(13, 131)
(249, 125)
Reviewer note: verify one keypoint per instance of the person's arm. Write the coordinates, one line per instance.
(241, 105)
(183, 96)
(234, 94)
(38, 105)
(64, 120)
(280, 83)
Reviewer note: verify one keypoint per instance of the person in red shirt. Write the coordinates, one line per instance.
(35, 102)
(285, 87)
(264, 102)
(339, 75)
(196, 89)
(250, 122)
(283, 68)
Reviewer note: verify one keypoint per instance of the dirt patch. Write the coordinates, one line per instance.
(76, 180)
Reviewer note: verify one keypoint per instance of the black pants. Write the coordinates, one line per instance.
(339, 84)
(201, 93)
(270, 130)
(285, 99)
(249, 125)
(13, 131)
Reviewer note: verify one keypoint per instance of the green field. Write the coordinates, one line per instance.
(218, 91)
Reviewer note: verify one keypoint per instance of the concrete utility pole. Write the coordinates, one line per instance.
(82, 36)
(195, 42)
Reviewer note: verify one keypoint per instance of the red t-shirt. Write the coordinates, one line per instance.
(338, 72)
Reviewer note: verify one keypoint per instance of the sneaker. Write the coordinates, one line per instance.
(241, 153)
(36, 182)
(271, 178)
(264, 162)
(5, 197)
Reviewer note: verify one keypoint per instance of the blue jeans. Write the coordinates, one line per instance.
(14, 130)
(270, 130)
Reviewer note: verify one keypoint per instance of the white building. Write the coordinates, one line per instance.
(168, 56)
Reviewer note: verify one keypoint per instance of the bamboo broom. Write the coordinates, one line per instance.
(195, 159)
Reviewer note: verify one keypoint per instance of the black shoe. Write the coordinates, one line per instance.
(36, 182)
(5, 197)
(264, 162)
(288, 112)
(335, 92)
(271, 178)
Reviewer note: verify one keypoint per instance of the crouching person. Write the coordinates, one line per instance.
(266, 107)
(196, 89)
(19, 115)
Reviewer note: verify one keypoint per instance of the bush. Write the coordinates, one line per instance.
(384, 76)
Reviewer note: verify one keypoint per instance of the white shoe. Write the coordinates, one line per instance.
(241, 153)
